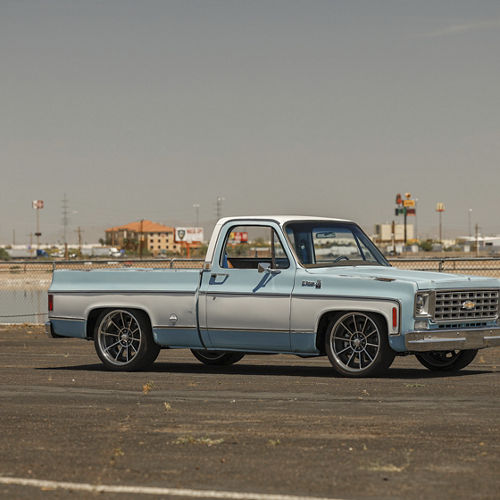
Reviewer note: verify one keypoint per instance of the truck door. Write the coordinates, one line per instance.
(247, 293)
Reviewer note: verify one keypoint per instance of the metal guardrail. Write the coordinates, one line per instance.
(24, 284)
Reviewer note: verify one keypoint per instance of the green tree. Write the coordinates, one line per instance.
(426, 245)
(4, 255)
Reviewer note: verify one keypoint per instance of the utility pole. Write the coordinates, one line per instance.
(477, 240)
(65, 222)
(393, 235)
(470, 226)
(79, 232)
(13, 237)
(140, 239)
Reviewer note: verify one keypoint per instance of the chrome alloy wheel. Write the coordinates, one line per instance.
(212, 355)
(219, 358)
(446, 360)
(119, 337)
(355, 342)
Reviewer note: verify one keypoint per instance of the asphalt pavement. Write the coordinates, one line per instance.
(269, 425)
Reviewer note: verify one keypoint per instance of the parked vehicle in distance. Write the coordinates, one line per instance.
(307, 286)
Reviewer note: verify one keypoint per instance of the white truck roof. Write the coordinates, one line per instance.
(280, 219)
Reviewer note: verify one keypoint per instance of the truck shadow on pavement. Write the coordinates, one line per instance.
(273, 370)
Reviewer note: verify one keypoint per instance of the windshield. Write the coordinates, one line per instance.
(322, 244)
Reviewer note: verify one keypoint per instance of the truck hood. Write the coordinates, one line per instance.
(421, 279)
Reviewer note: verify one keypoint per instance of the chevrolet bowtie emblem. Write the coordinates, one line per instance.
(468, 304)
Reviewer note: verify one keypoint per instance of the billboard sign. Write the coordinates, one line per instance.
(188, 234)
(37, 204)
(236, 237)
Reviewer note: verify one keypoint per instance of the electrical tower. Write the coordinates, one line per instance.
(65, 223)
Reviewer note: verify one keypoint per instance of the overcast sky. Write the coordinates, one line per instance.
(140, 109)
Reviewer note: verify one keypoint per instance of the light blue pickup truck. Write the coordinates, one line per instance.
(307, 286)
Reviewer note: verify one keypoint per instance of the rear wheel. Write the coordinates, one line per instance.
(217, 357)
(357, 346)
(124, 341)
(446, 360)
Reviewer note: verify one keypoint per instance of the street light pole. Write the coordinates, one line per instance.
(220, 199)
(37, 206)
(196, 207)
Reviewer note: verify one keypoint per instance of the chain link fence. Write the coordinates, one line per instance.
(24, 284)
(479, 266)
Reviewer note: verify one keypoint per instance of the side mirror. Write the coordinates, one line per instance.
(265, 267)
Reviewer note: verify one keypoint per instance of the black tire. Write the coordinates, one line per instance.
(123, 340)
(446, 361)
(357, 345)
(219, 358)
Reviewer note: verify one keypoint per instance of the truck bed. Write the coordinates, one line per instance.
(167, 296)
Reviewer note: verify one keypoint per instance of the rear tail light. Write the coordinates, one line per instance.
(51, 302)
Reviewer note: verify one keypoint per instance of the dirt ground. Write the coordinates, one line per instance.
(269, 424)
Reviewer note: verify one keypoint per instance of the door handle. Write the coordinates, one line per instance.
(218, 278)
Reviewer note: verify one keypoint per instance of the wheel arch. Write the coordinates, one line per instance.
(328, 317)
(95, 312)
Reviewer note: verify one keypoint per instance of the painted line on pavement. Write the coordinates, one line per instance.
(149, 490)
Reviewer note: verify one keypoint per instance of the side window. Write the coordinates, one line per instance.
(247, 246)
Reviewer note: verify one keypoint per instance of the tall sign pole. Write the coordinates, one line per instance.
(440, 210)
(37, 206)
(405, 207)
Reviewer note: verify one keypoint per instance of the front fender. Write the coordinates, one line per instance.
(308, 314)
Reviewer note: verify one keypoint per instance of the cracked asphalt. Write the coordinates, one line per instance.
(269, 424)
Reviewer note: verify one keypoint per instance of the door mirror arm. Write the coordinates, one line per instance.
(265, 267)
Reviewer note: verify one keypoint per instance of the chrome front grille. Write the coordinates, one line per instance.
(465, 305)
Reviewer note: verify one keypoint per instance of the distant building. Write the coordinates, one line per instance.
(383, 233)
(488, 243)
(157, 238)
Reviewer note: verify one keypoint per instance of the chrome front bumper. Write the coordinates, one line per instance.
(451, 340)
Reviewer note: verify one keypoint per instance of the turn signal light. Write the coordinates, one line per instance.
(394, 317)
(51, 302)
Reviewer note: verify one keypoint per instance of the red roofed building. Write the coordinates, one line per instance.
(157, 238)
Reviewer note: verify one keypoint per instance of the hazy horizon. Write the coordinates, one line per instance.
(142, 109)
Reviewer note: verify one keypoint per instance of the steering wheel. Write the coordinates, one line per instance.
(340, 257)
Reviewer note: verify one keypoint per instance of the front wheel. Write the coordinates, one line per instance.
(447, 360)
(220, 358)
(124, 341)
(357, 346)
